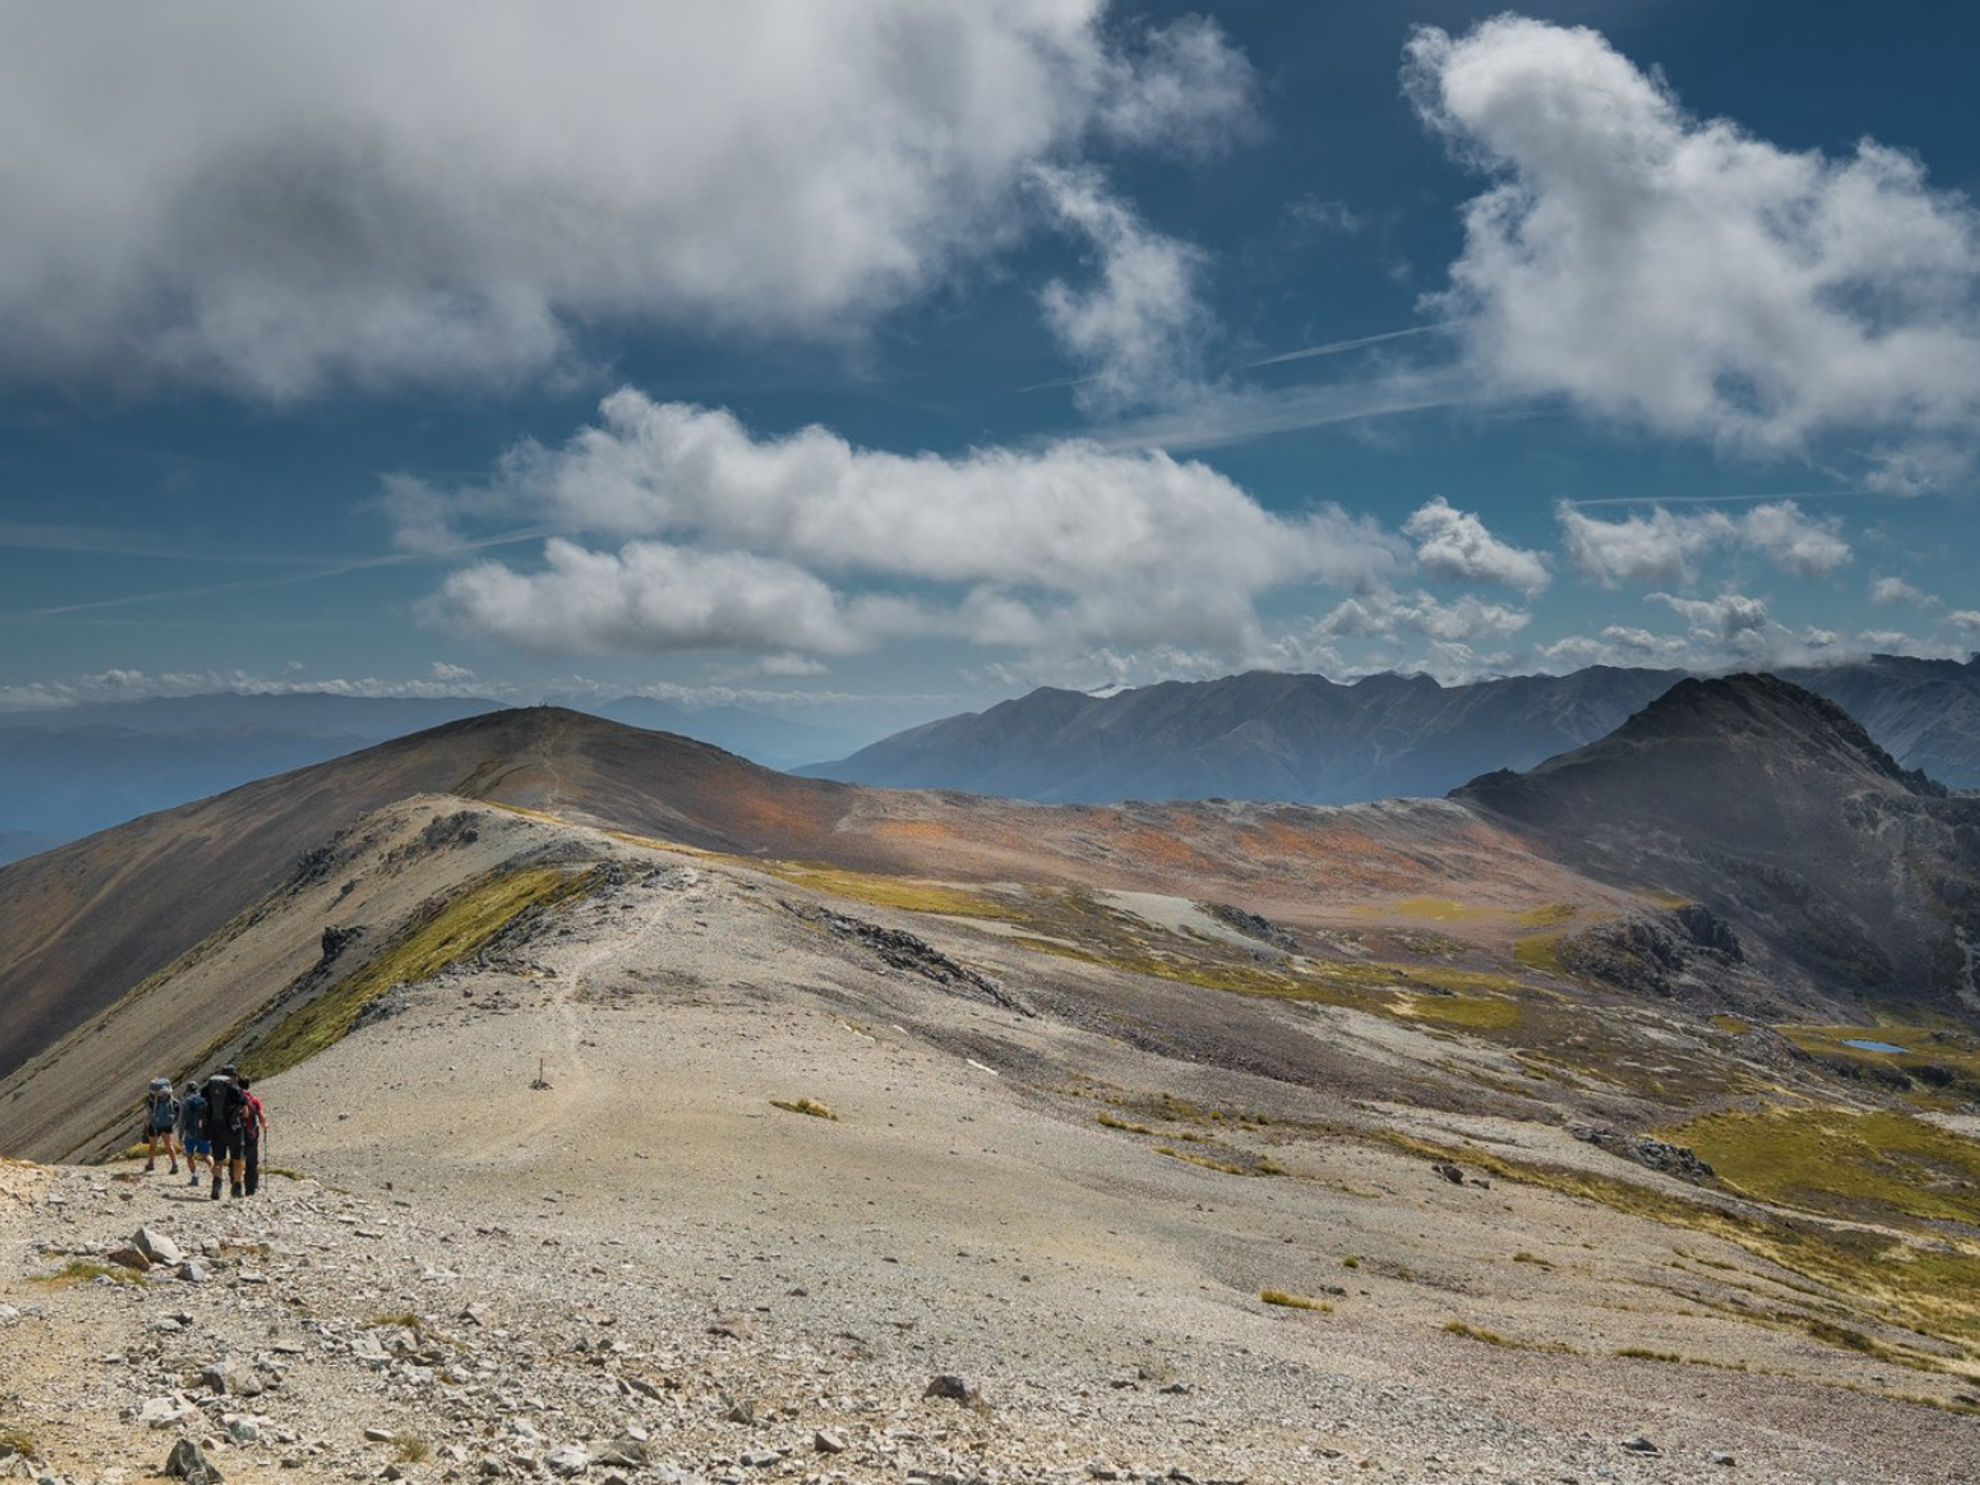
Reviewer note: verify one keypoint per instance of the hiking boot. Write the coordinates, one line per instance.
(150, 1166)
(215, 1194)
(175, 1168)
(193, 1179)
(236, 1192)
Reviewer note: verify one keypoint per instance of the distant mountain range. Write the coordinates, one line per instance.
(1262, 736)
(1306, 739)
(67, 773)
(1737, 843)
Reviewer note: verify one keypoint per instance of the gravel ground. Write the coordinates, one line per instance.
(647, 1269)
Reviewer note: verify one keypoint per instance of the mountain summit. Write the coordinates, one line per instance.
(1771, 805)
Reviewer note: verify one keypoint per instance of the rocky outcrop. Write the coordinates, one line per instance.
(899, 949)
(1652, 952)
(1652, 1154)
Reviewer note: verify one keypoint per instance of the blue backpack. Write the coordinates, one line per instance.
(164, 1109)
(192, 1116)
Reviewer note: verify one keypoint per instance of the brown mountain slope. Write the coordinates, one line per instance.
(1776, 810)
(80, 925)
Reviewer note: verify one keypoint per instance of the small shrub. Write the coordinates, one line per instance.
(1222, 1166)
(1350, 1262)
(82, 1270)
(413, 1451)
(1295, 1301)
(1841, 1335)
(803, 1106)
(1478, 1333)
(1522, 1256)
(1642, 1353)
(1110, 1122)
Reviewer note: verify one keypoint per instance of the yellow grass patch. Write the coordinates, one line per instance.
(809, 1106)
(1294, 1301)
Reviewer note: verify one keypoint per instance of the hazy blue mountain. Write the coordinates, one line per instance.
(1306, 739)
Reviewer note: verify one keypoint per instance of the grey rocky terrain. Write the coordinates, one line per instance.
(556, 1212)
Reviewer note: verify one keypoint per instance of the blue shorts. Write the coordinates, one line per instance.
(198, 1147)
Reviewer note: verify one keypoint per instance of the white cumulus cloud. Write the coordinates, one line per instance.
(1657, 548)
(1731, 617)
(1380, 614)
(280, 200)
(1680, 274)
(1451, 543)
(1795, 542)
(652, 596)
(1665, 546)
(830, 548)
(1889, 590)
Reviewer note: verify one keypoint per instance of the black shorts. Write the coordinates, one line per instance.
(230, 1144)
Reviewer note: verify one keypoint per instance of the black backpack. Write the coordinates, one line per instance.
(223, 1104)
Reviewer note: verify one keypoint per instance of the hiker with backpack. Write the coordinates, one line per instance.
(254, 1124)
(192, 1130)
(226, 1119)
(161, 1113)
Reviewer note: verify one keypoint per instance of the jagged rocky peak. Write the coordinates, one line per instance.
(1701, 734)
(1764, 709)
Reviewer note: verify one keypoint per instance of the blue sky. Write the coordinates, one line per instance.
(875, 360)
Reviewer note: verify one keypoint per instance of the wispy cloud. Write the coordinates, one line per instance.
(114, 542)
(317, 572)
(1231, 416)
(1142, 327)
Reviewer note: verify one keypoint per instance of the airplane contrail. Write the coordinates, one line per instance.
(1337, 347)
(287, 579)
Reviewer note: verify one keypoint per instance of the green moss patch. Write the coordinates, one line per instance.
(1551, 916)
(1939, 1067)
(1473, 1012)
(906, 894)
(1437, 909)
(87, 1270)
(1930, 1291)
(1541, 951)
(444, 932)
(1865, 1165)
